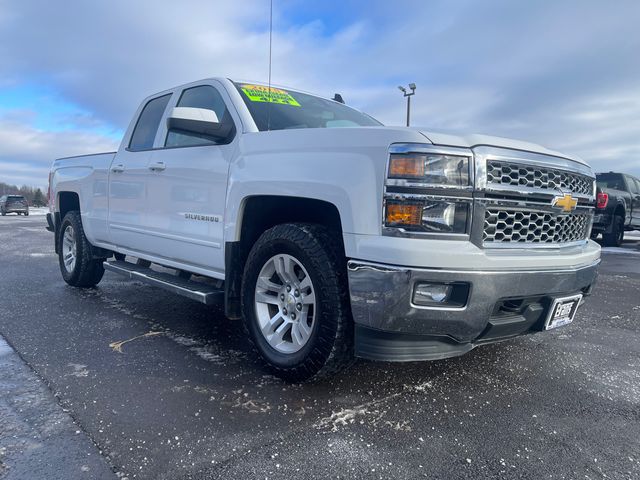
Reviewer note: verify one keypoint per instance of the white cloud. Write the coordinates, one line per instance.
(26, 153)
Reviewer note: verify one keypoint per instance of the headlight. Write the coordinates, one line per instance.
(430, 168)
(427, 216)
(428, 190)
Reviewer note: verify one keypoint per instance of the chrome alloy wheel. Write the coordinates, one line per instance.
(69, 249)
(285, 303)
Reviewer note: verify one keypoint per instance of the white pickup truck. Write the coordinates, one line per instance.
(329, 234)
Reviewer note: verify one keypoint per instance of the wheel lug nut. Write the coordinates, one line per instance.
(288, 288)
(293, 316)
(282, 297)
(296, 292)
(284, 311)
(299, 306)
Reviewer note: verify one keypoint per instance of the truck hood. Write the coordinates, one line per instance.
(475, 140)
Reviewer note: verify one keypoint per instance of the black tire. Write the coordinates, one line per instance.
(87, 271)
(26, 214)
(615, 238)
(329, 347)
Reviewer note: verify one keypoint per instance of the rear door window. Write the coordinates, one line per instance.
(146, 128)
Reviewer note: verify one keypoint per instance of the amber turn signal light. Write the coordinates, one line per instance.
(403, 214)
(406, 166)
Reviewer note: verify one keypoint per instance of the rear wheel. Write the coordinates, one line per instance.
(295, 302)
(26, 214)
(615, 238)
(77, 265)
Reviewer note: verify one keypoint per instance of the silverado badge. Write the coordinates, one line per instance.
(565, 201)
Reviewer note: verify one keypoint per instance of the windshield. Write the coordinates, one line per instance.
(289, 109)
(610, 180)
(15, 198)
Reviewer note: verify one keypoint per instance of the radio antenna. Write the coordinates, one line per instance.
(270, 45)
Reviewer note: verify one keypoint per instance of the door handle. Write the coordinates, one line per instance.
(118, 168)
(157, 167)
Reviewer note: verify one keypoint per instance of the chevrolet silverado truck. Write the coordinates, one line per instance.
(617, 207)
(331, 235)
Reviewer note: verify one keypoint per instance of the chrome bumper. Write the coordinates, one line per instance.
(390, 327)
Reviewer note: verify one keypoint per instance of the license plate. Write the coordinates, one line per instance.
(562, 311)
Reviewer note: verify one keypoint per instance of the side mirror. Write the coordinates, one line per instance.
(198, 121)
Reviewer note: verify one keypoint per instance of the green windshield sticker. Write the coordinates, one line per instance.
(258, 93)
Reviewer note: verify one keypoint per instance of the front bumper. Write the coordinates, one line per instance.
(500, 304)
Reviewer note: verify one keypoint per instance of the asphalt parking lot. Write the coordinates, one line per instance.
(126, 381)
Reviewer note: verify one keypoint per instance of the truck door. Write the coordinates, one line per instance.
(634, 190)
(187, 186)
(128, 180)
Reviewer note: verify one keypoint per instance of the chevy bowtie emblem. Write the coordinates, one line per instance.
(566, 202)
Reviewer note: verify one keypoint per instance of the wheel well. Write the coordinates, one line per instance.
(68, 201)
(619, 212)
(263, 212)
(258, 215)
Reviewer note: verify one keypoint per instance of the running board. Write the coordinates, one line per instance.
(201, 292)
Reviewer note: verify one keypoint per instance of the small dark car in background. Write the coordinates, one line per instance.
(13, 204)
(617, 207)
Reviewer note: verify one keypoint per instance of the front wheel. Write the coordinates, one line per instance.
(295, 302)
(78, 267)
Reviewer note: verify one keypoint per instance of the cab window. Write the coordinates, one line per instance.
(204, 96)
(146, 128)
(634, 185)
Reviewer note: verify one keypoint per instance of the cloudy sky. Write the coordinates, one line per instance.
(565, 74)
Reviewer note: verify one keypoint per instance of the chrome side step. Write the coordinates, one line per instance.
(199, 291)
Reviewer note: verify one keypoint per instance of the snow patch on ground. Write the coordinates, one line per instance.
(372, 412)
(621, 383)
(78, 370)
(38, 210)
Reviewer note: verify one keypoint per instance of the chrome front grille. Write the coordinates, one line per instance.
(512, 226)
(543, 178)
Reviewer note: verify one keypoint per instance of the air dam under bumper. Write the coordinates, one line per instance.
(500, 305)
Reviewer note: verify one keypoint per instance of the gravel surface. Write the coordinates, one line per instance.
(168, 388)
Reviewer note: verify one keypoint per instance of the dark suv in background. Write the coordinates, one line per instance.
(13, 204)
(617, 207)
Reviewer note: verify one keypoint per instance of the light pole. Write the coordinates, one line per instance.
(412, 86)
